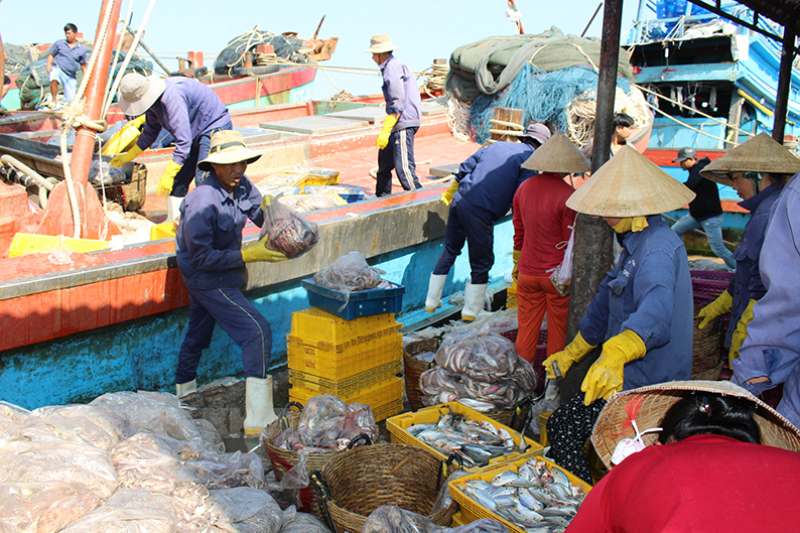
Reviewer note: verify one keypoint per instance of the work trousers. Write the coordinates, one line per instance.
(713, 230)
(398, 155)
(536, 295)
(568, 429)
(465, 224)
(189, 170)
(238, 317)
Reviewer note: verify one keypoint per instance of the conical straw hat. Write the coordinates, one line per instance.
(762, 153)
(558, 155)
(629, 185)
(613, 423)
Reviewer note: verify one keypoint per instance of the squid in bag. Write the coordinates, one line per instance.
(286, 231)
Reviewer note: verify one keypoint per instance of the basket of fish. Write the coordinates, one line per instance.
(355, 483)
(453, 429)
(532, 494)
(417, 358)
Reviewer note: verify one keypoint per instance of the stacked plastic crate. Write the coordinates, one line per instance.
(357, 359)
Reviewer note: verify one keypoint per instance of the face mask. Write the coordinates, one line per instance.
(627, 447)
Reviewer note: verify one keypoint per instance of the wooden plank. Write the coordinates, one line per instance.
(506, 114)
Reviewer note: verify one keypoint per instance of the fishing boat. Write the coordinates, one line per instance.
(711, 84)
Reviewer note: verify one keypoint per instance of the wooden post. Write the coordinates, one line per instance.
(508, 115)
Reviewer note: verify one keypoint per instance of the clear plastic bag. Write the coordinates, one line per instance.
(286, 231)
(296, 522)
(393, 519)
(484, 525)
(351, 273)
(327, 423)
(102, 171)
(562, 275)
(243, 509)
(95, 425)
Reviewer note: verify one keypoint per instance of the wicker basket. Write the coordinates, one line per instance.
(361, 480)
(513, 418)
(282, 460)
(707, 348)
(414, 369)
(132, 195)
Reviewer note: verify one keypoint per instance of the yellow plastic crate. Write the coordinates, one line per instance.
(387, 391)
(511, 296)
(458, 520)
(382, 412)
(317, 176)
(162, 231)
(340, 365)
(472, 510)
(26, 243)
(315, 327)
(398, 429)
(346, 385)
(287, 179)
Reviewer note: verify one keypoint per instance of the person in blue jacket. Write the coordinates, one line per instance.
(757, 170)
(481, 194)
(642, 312)
(208, 245)
(395, 142)
(187, 109)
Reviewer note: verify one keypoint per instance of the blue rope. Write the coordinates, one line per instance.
(542, 96)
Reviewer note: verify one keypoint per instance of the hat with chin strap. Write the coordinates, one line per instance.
(227, 147)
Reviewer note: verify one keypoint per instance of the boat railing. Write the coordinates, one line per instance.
(664, 20)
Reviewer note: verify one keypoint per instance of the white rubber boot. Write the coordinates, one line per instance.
(435, 288)
(183, 389)
(473, 301)
(258, 404)
(173, 207)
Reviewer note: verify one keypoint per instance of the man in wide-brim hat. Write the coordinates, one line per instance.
(757, 170)
(186, 108)
(395, 141)
(208, 245)
(693, 456)
(770, 343)
(642, 313)
(542, 228)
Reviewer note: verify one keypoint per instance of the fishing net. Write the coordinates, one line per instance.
(232, 57)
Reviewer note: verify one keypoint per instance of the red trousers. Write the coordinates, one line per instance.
(536, 295)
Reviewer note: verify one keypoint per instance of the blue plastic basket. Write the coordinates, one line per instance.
(348, 193)
(361, 303)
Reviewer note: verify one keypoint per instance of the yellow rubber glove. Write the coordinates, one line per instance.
(128, 135)
(718, 307)
(447, 196)
(121, 159)
(574, 352)
(383, 137)
(515, 272)
(607, 374)
(740, 333)
(260, 252)
(265, 201)
(167, 181)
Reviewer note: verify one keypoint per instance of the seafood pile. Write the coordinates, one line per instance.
(536, 498)
(475, 442)
(328, 424)
(479, 369)
(351, 273)
(286, 231)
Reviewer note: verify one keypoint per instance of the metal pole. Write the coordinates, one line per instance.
(593, 236)
(146, 49)
(784, 82)
(596, 11)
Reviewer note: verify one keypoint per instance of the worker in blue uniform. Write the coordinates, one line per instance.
(395, 142)
(642, 312)
(481, 194)
(208, 245)
(188, 110)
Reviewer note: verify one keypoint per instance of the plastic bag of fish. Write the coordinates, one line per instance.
(475, 442)
(351, 273)
(480, 369)
(286, 231)
(328, 424)
(537, 498)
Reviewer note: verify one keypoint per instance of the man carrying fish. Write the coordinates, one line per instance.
(403, 117)
(208, 245)
(187, 109)
(481, 194)
(642, 313)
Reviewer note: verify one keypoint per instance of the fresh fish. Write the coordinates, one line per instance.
(504, 478)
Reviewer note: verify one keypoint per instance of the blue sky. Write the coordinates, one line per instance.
(424, 30)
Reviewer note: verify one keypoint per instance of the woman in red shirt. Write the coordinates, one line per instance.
(723, 461)
(542, 226)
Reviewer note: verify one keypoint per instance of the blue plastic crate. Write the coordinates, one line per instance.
(361, 303)
(348, 193)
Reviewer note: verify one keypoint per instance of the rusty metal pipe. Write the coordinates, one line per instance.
(83, 148)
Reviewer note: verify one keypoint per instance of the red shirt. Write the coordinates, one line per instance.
(705, 483)
(541, 214)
